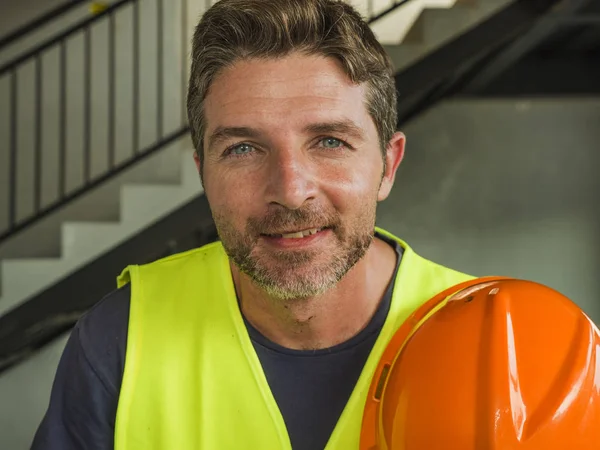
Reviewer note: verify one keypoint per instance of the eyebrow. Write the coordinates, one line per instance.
(346, 127)
(223, 133)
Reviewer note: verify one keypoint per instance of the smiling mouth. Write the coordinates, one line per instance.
(296, 234)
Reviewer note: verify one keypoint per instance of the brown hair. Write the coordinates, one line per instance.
(241, 29)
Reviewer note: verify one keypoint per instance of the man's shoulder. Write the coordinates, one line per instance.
(86, 388)
(111, 312)
(102, 333)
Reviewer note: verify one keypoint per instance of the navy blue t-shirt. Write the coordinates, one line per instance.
(311, 388)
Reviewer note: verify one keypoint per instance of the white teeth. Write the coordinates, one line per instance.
(300, 234)
(297, 235)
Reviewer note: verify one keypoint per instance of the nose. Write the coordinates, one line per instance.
(291, 181)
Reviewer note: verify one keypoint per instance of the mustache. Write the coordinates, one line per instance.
(282, 219)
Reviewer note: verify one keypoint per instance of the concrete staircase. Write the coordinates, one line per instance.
(81, 242)
(419, 28)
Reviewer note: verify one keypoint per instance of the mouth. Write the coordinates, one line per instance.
(300, 234)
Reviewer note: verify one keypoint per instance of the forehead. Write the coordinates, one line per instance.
(293, 90)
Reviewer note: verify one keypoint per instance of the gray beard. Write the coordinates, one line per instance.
(297, 274)
(287, 277)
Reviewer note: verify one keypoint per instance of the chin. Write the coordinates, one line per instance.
(304, 280)
(297, 289)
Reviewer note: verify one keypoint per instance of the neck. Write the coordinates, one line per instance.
(326, 320)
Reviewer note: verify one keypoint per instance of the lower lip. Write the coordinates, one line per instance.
(296, 242)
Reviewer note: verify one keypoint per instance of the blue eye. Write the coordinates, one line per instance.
(332, 143)
(240, 150)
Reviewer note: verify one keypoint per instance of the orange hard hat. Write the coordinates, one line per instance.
(490, 364)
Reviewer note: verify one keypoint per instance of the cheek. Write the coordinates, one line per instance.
(230, 196)
(353, 187)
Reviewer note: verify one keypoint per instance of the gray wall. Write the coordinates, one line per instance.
(503, 187)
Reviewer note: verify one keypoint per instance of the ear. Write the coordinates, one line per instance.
(393, 157)
(199, 167)
(198, 163)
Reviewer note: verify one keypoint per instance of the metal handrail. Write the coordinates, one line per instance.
(374, 17)
(57, 43)
(86, 22)
(40, 21)
(62, 36)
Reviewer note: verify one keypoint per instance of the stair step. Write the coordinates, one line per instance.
(399, 25)
(82, 242)
(23, 278)
(149, 202)
(144, 204)
(393, 28)
(436, 26)
(89, 238)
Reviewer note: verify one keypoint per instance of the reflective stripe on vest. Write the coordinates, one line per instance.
(192, 379)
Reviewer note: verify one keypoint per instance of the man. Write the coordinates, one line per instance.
(269, 338)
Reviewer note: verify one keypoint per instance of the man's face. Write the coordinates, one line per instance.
(293, 171)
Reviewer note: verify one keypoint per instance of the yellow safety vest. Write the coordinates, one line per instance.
(192, 379)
